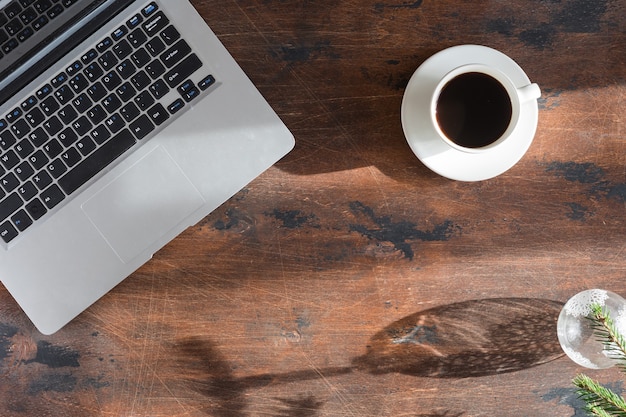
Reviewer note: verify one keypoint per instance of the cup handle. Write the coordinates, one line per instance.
(528, 92)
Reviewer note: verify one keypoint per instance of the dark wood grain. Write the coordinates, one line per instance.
(349, 280)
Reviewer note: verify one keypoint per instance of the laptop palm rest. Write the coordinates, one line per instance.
(144, 202)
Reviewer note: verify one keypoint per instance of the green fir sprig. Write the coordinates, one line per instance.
(601, 401)
(607, 333)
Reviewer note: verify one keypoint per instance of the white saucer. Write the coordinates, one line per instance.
(434, 152)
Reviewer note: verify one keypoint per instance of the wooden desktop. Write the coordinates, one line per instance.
(349, 279)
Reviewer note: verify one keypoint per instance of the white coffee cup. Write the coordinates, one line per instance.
(474, 141)
(476, 107)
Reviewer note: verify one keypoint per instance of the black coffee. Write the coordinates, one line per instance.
(474, 110)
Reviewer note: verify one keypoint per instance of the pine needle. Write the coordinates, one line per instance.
(607, 333)
(600, 401)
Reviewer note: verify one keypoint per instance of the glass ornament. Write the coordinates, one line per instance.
(576, 333)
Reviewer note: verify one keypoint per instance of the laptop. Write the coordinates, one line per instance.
(122, 123)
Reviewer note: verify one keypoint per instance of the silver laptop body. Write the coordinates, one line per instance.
(213, 134)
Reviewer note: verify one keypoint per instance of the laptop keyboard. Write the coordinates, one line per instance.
(21, 19)
(108, 100)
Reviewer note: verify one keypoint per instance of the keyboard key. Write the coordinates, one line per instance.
(111, 103)
(24, 171)
(24, 148)
(141, 57)
(82, 125)
(13, 27)
(56, 168)
(158, 114)
(38, 137)
(176, 106)
(122, 49)
(126, 69)
(9, 182)
(29, 103)
(142, 127)
(104, 44)
(53, 148)
(155, 69)
(119, 33)
(94, 163)
(134, 21)
(38, 160)
(96, 114)
(114, 123)
(43, 5)
(107, 60)
(144, 100)
(68, 137)
(64, 94)
(111, 81)
(25, 34)
(100, 134)
(82, 103)
(67, 114)
(43, 91)
(129, 112)
(58, 80)
(14, 115)
(126, 91)
(206, 82)
(137, 37)
(20, 128)
(71, 157)
(36, 209)
(155, 24)
(97, 92)
(155, 46)
(141, 80)
(50, 105)
(55, 11)
(93, 71)
(7, 232)
(42, 180)
(10, 45)
(183, 70)
(78, 83)
(89, 56)
(40, 22)
(7, 139)
(10, 205)
(12, 10)
(53, 125)
(28, 15)
(35, 117)
(27, 191)
(170, 35)
(52, 196)
(149, 9)
(159, 89)
(21, 220)
(177, 52)
(191, 94)
(9, 159)
(85, 146)
(74, 68)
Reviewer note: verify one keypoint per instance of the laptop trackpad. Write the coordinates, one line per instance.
(143, 204)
